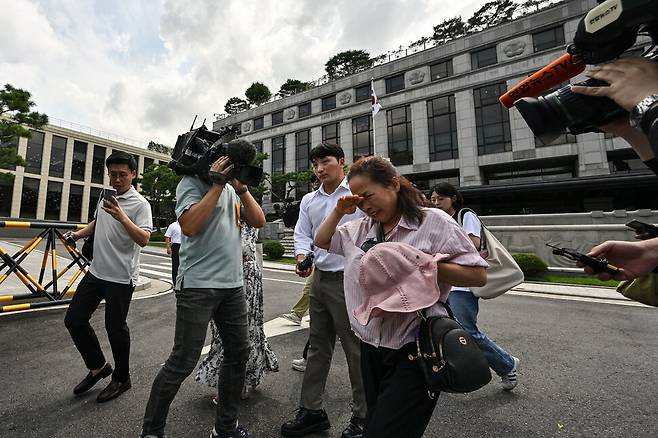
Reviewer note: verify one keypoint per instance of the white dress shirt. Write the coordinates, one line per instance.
(313, 210)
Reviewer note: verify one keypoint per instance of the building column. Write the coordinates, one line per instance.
(86, 191)
(469, 170)
(17, 194)
(68, 164)
(420, 133)
(267, 167)
(592, 156)
(45, 170)
(345, 128)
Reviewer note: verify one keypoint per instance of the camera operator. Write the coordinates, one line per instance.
(121, 226)
(209, 285)
(633, 86)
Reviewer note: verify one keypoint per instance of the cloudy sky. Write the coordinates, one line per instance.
(143, 68)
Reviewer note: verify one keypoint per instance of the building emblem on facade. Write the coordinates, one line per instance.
(515, 48)
(290, 113)
(345, 98)
(416, 77)
(246, 127)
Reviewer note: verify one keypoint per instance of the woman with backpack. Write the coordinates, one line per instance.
(462, 301)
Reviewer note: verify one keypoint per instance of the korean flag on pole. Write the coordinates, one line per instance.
(373, 99)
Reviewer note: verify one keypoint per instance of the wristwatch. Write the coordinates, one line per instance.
(640, 110)
(242, 191)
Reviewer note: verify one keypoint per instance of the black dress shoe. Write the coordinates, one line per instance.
(89, 381)
(113, 390)
(355, 428)
(305, 422)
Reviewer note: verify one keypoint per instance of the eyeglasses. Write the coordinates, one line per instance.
(120, 175)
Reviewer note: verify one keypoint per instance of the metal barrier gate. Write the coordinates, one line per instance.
(11, 264)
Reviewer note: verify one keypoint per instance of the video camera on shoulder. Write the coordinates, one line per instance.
(196, 150)
(604, 34)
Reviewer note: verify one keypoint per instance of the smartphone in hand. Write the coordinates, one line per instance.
(642, 228)
(108, 194)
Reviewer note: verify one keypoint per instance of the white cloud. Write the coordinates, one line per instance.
(144, 69)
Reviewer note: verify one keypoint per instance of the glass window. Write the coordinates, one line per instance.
(304, 110)
(98, 165)
(302, 150)
(331, 133)
(12, 144)
(259, 123)
(6, 196)
(148, 162)
(362, 93)
(328, 103)
(94, 197)
(492, 120)
(626, 161)
(361, 136)
(442, 122)
(400, 144)
(57, 156)
(74, 212)
(53, 200)
(396, 83)
(79, 161)
(529, 172)
(29, 198)
(277, 118)
(441, 70)
(259, 146)
(278, 166)
(549, 38)
(34, 152)
(483, 57)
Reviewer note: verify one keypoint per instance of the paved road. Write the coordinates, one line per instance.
(588, 369)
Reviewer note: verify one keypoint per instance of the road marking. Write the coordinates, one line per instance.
(577, 298)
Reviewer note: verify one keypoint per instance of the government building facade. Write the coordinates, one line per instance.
(441, 121)
(64, 174)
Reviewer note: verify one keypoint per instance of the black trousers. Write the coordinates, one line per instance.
(397, 397)
(88, 296)
(175, 261)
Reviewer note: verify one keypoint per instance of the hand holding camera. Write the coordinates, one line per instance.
(220, 170)
(69, 238)
(634, 259)
(304, 265)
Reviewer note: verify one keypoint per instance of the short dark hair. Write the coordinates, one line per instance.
(325, 149)
(447, 189)
(120, 157)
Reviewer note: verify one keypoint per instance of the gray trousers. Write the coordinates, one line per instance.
(194, 309)
(328, 319)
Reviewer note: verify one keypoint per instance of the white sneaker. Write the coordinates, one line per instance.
(299, 365)
(509, 380)
(292, 318)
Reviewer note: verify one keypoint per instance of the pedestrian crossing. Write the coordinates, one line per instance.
(159, 270)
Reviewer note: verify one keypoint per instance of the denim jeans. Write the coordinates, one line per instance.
(465, 307)
(194, 308)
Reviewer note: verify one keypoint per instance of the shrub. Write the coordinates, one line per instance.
(273, 249)
(157, 237)
(530, 264)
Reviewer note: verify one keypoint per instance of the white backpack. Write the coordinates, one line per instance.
(503, 273)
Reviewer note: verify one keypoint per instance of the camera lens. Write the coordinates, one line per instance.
(552, 115)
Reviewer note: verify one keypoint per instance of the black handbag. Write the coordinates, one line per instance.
(448, 356)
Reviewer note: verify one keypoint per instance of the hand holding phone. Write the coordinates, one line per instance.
(109, 194)
(597, 265)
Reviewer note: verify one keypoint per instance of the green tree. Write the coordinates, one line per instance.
(348, 63)
(262, 188)
(293, 86)
(236, 105)
(291, 181)
(257, 94)
(15, 121)
(491, 14)
(158, 185)
(158, 147)
(449, 29)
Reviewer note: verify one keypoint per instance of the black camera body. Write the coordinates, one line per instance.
(307, 263)
(604, 34)
(196, 150)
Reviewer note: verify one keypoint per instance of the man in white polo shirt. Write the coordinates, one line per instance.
(122, 225)
(172, 236)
